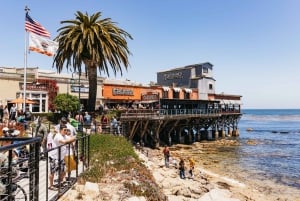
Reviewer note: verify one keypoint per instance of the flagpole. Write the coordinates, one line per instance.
(25, 65)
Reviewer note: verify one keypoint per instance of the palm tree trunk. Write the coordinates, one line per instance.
(92, 76)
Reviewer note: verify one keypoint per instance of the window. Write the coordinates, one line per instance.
(186, 95)
(210, 86)
(175, 94)
(165, 94)
(205, 70)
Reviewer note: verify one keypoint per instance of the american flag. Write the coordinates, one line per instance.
(35, 27)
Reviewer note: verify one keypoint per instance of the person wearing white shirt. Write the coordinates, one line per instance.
(50, 142)
(13, 112)
(57, 163)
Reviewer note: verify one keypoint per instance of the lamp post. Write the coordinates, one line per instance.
(68, 87)
(79, 88)
(72, 82)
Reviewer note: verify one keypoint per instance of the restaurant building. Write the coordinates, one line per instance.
(192, 82)
(178, 82)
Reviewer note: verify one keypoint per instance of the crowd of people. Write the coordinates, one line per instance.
(57, 141)
(61, 159)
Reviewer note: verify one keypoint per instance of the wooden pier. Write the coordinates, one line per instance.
(184, 126)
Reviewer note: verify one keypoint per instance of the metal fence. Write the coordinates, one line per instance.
(24, 171)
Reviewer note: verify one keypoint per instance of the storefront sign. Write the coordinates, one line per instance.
(150, 97)
(34, 87)
(122, 92)
(173, 75)
(83, 89)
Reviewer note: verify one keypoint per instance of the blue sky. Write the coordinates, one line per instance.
(253, 44)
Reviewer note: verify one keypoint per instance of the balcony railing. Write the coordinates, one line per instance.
(162, 113)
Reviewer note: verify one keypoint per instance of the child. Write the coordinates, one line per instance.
(192, 166)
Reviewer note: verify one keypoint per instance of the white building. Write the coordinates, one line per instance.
(42, 86)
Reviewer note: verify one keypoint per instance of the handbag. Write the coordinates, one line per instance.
(70, 163)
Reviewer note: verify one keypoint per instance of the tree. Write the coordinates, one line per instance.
(66, 103)
(96, 43)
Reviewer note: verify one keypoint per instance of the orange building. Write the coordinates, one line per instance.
(128, 93)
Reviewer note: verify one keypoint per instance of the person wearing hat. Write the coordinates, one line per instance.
(71, 127)
(65, 121)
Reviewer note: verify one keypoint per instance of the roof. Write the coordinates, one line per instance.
(185, 67)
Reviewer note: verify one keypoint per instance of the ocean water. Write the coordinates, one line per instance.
(271, 150)
(267, 158)
(277, 152)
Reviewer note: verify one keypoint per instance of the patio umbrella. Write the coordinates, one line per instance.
(20, 100)
(28, 101)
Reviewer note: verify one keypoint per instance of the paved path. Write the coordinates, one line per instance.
(44, 193)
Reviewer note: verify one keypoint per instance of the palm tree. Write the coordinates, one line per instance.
(97, 43)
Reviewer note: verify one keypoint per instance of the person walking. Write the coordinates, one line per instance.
(79, 118)
(166, 153)
(115, 125)
(181, 169)
(87, 123)
(13, 112)
(192, 166)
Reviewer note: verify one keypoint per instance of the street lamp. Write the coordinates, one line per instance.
(72, 81)
(79, 74)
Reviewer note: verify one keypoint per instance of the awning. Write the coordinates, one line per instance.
(166, 88)
(176, 89)
(149, 101)
(237, 102)
(226, 102)
(188, 90)
(230, 102)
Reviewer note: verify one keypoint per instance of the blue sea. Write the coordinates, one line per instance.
(270, 148)
(267, 155)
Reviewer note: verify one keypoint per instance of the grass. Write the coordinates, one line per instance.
(110, 154)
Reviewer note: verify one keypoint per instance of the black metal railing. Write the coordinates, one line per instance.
(26, 176)
(161, 113)
(11, 169)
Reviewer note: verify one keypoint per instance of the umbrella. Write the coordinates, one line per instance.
(21, 100)
(28, 101)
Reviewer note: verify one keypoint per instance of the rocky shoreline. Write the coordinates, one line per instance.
(205, 185)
